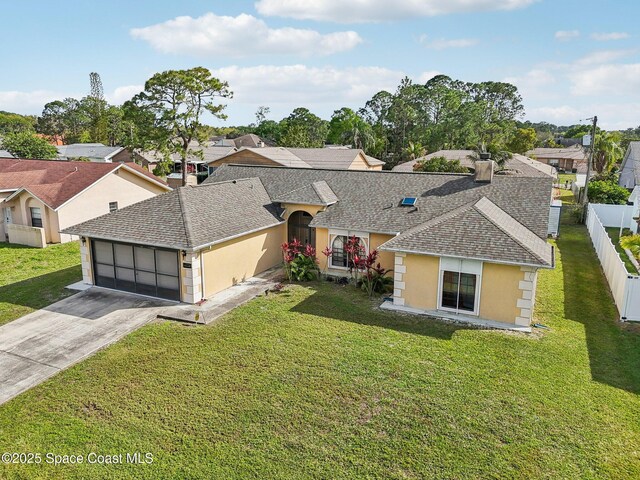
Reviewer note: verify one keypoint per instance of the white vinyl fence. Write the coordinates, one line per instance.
(624, 286)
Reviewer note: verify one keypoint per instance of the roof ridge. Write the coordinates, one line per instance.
(486, 215)
(318, 192)
(185, 216)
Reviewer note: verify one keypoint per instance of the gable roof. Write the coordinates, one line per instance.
(55, 182)
(370, 200)
(88, 150)
(316, 193)
(188, 218)
(312, 157)
(497, 237)
(248, 140)
(518, 165)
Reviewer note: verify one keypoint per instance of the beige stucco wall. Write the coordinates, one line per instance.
(506, 291)
(236, 260)
(25, 235)
(123, 187)
(360, 163)
(322, 239)
(499, 292)
(418, 274)
(385, 258)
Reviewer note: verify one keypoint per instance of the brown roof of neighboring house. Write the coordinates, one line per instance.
(338, 158)
(54, 181)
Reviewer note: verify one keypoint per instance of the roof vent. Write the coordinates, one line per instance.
(408, 201)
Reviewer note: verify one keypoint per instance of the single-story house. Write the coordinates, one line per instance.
(570, 159)
(464, 246)
(630, 167)
(343, 159)
(95, 152)
(39, 198)
(516, 165)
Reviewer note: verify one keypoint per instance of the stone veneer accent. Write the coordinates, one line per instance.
(192, 279)
(398, 279)
(526, 301)
(85, 258)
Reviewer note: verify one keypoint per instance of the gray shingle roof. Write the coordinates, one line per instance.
(496, 236)
(575, 153)
(96, 151)
(631, 161)
(370, 200)
(517, 165)
(188, 217)
(316, 193)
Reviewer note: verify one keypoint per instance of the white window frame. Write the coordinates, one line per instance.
(460, 265)
(333, 233)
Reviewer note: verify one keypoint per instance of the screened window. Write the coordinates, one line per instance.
(36, 217)
(113, 206)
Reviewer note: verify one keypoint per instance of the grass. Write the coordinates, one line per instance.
(315, 382)
(614, 234)
(566, 177)
(32, 278)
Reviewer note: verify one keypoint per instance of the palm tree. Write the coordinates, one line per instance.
(415, 150)
(498, 154)
(607, 152)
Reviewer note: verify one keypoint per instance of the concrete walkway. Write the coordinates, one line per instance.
(39, 345)
(220, 303)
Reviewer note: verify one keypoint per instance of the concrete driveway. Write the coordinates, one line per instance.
(39, 345)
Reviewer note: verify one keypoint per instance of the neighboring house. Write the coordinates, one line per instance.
(516, 165)
(250, 140)
(630, 167)
(95, 152)
(461, 246)
(197, 169)
(342, 159)
(5, 154)
(571, 159)
(39, 198)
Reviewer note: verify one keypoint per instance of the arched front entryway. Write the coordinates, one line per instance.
(298, 228)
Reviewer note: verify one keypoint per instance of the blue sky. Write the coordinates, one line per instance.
(570, 59)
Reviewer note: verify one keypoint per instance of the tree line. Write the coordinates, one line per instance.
(417, 118)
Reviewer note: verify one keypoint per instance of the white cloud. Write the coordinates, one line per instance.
(603, 37)
(442, 43)
(244, 35)
(566, 34)
(28, 103)
(122, 94)
(424, 77)
(602, 56)
(301, 85)
(361, 11)
(609, 79)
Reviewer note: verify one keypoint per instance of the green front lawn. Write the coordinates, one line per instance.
(32, 278)
(315, 382)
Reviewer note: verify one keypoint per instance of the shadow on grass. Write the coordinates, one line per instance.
(38, 292)
(614, 352)
(346, 304)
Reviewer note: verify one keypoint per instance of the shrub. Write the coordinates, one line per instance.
(300, 264)
(440, 164)
(601, 191)
(374, 278)
(631, 243)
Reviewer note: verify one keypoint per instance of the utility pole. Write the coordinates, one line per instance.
(585, 192)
